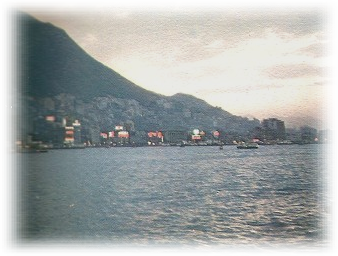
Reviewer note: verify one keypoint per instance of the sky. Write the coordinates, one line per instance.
(253, 62)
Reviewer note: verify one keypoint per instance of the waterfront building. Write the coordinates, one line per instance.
(123, 137)
(174, 136)
(48, 130)
(293, 135)
(274, 129)
(77, 132)
(155, 137)
(72, 132)
(308, 134)
(69, 135)
(195, 136)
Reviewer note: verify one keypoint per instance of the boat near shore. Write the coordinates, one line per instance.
(248, 145)
(32, 150)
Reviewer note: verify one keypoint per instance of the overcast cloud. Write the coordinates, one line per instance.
(228, 58)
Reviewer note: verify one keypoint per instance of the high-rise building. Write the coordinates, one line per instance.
(308, 134)
(69, 135)
(72, 133)
(274, 129)
(77, 132)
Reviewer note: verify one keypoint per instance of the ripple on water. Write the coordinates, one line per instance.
(171, 195)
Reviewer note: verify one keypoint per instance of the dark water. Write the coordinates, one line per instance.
(173, 195)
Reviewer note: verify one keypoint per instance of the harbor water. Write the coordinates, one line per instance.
(273, 195)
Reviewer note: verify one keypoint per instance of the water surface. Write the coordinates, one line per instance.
(175, 196)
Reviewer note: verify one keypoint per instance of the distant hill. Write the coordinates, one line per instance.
(298, 121)
(58, 77)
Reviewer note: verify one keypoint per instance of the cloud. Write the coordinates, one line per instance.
(178, 4)
(68, 4)
(328, 82)
(293, 71)
(245, 61)
(325, 49)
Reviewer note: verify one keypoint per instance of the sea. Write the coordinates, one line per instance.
(174, 196)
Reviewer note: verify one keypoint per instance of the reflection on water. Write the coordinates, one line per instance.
(173, 195)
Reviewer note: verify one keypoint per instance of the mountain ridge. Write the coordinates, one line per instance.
(58, 77)
(71, 72)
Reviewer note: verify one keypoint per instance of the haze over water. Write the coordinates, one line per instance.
(191, 196)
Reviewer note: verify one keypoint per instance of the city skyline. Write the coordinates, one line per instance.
(251, 63)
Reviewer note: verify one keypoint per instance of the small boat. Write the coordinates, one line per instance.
(32, 150)
(249, 145)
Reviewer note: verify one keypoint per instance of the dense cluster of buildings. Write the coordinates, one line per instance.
(67, 132)
(58, 132)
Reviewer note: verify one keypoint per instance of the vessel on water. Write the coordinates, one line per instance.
(32, 150)
(248, 145)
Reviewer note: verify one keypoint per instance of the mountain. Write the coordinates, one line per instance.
(56, 64)
(58, 77)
